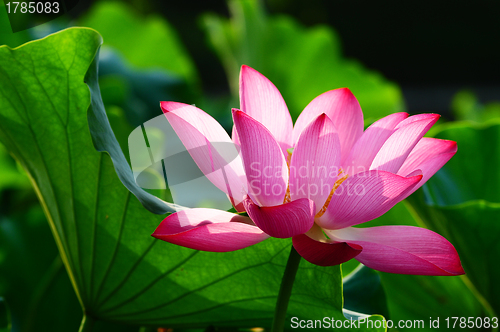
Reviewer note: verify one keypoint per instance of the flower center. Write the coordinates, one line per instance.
(337, 184)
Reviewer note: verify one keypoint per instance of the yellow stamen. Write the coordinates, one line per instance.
(288, 161)
(287, 196)
(289, 157)
(335, 186)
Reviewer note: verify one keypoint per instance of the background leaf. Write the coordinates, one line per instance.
(462, 202)
(363, 292)
(4, 316)
(6, 35)
(119, 272)
(155, 43)
(137, 91)
(10, 175)
(33, 278)
(465, 105)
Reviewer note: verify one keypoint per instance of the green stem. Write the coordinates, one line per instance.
(292, 265)
(87, 323)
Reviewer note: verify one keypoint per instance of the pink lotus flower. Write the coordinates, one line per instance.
(312, 181)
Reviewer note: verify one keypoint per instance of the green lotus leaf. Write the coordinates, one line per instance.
(52, 123)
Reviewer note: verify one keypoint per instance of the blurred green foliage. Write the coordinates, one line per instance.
(462, 202)
(33, 278)
(363, 292)
(136, 77)
(10, 175)
(121, 277)
(301, 62)
(466, 106)
(5, 323)
(6, 35)
(145, 42)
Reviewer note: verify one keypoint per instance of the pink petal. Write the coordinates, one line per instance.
(209, 230)
(428, 156)
(365, 196)
(324, 253)
(317, 249)
(263, 160)
(414, 118)
(285, 220)
(342, 108)
(314, 164)
(402, 249)
(210, 147)
(399, 145)
(260, 99)
(366, 147)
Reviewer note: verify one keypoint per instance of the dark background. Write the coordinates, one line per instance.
(432, 49)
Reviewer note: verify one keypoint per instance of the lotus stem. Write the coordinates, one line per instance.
(285, 292)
